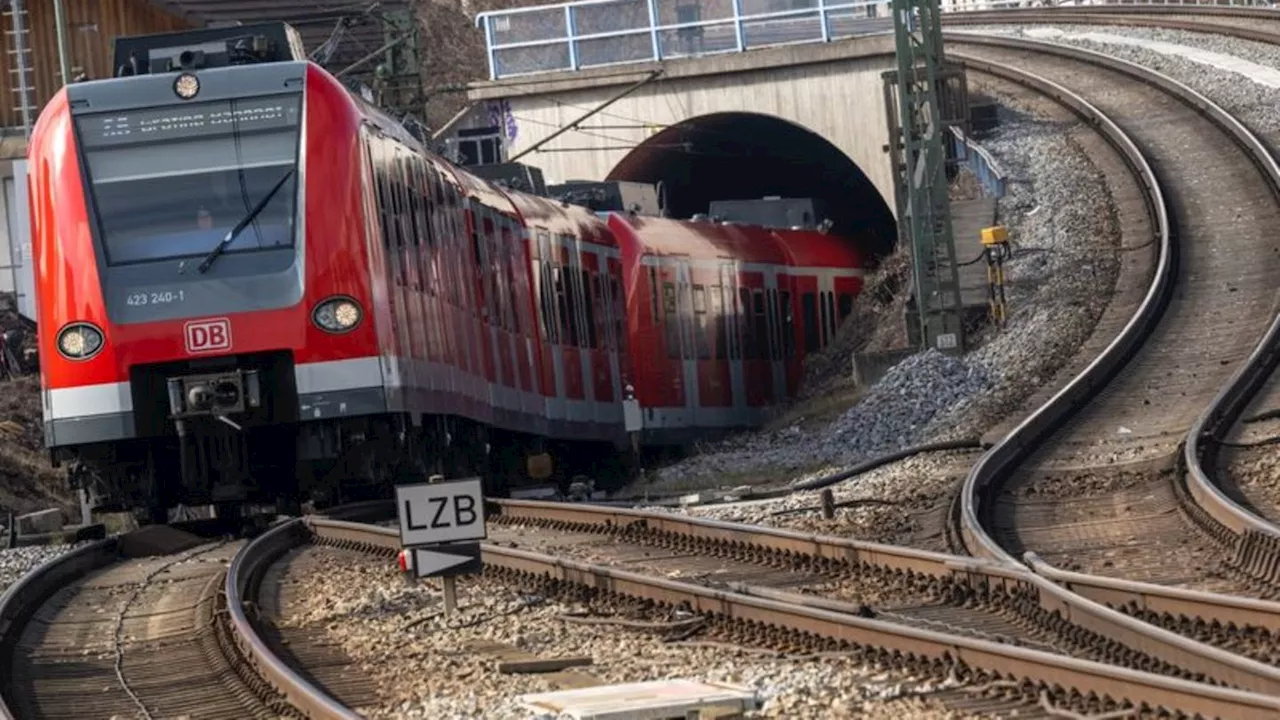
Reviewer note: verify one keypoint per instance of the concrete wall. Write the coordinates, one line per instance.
(833, 89)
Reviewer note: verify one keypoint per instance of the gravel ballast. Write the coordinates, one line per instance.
(16, 562)
(432, 670)
(1064, 229)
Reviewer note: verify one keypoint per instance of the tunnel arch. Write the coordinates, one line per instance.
(746, 155)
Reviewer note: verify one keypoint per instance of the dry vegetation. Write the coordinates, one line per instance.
(27, 481)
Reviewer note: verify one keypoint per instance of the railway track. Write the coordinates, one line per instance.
(756, 616)
(1179, 375)
(137, 625)
(1240, 516)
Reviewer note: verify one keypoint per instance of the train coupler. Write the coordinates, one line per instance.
(217, 395)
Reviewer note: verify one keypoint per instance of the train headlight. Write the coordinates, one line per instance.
(79, 341)
(337, 315)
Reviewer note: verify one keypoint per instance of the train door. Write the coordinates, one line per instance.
(715, 391)
(731, 320)
(552, 354)
(826, 291)
(777, 369)
(594, 269)
(611, 283)
(755, 340)
(569, 300)
(688, 345)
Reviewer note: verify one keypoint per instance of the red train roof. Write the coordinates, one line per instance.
(562, 219)
(662, 236)
(810, 248)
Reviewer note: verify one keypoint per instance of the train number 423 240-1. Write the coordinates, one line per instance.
(155, 298)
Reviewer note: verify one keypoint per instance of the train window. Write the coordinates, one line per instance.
(717, 322)
(825, 337)
(562, 310)
(846, 305)
(744, 321)
(775, 343)
(831, 316)
(653, 293)
(788, 324)
(761, 324)
(729, 327)
(604, 312)
(700, 328)
(547, 303)
(619, 312)
(671, 321)
(809, 316)
(590, 303)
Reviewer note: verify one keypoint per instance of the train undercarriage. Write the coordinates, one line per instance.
(228, 435)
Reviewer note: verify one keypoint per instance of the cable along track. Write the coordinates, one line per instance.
(1167, 365)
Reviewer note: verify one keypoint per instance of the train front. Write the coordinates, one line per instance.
(177, 294)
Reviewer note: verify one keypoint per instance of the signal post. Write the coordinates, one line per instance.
(441, 526)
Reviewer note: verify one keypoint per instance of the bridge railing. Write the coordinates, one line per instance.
(601, 33)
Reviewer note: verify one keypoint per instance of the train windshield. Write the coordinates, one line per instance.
(171, 182)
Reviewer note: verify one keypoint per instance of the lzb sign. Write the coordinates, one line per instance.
(441, 524)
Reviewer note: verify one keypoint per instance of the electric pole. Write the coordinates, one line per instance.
(918, 153)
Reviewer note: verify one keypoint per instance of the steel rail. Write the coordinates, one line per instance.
(972, 578)
(21, 600)
(1252, 540)
(788, 613)
(998, 464)
(1127, 16)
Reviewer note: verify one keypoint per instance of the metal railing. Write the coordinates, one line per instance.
(601, 33)
(979, 160)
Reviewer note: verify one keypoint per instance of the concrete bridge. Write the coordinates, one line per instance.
(800, 120)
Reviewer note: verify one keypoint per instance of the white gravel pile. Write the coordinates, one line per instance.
(19, 561)
(428, 666)
(1063, 226)
(1252, 100)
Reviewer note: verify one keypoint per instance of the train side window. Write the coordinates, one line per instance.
(846, 305)
(788, 324)
(562, 310)
(546, 291)
(775, 343)
(672, 322)
(761, 323)
(619, 312)
(809, 316)
(653, 293)
(825, 337)
(831, 316)
(744, 321)
(718, 344)
(510, 292)
(700, 322)
(590, 303)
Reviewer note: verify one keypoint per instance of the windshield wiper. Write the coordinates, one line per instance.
(240, 226)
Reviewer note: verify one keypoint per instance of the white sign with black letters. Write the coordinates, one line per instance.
(440, 512)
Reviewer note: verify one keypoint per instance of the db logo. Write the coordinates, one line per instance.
(208, 335)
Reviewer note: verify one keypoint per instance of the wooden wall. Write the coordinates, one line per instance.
(92, 27)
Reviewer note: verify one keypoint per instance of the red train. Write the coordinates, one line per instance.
(254, 286)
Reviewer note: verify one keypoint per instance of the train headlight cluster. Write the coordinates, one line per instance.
(337, 315)
(79, 341)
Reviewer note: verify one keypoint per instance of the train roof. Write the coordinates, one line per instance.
(561, 218)
(810, 248)
(700, 240)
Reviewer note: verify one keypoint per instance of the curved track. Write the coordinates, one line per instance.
(760, 617)
(1178, 374)
(1231, 492)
